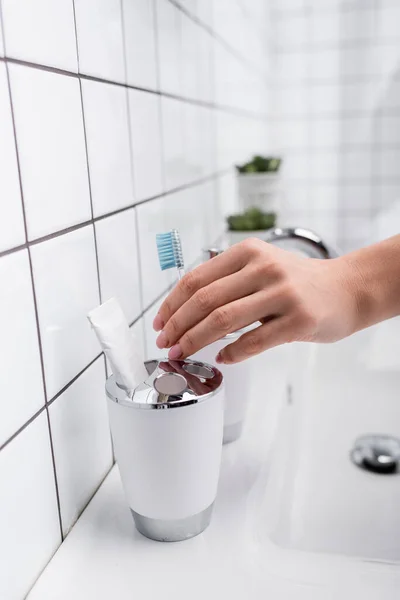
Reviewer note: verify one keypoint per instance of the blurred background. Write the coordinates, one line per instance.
(121, 119)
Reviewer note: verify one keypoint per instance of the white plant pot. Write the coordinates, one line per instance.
(234, 237)
(261, 190)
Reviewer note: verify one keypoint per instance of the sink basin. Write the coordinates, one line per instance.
(317, 499)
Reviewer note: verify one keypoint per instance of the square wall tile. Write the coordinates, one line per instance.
(152, 220)
(81, 441)
(51, 147)
(325, 27)
(386, 198)
(41, 32)
(12, 232)
(389, 129)
(325, 64)
(65, 276)
(119, 262)
(356, 197)
(100, 38)
(357, 228)
(185, 213)
(292, 31)
(205, 66)
(107, 134)
(356, 164)
(325, 197)
(190, 57)
(19, 350)
(325, 166)
(322, 99)
(1, 39)
(173, 142)
(146, 143)
(29, 525)
(387, 21)
(169, 47)
(357, 130)
(388, 164)
(140, 43)
(325, 132)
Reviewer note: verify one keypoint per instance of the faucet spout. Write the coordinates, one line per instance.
(301, 239)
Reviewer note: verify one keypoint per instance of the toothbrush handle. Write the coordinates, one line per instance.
(181, 272)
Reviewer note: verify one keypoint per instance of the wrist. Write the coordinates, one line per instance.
(360, 293)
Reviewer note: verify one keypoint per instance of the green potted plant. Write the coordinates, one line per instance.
(258, 183)
(251, 223)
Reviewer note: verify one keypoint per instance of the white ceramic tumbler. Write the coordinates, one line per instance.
(167, 438)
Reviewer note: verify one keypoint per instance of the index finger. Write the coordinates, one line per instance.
(230, 261)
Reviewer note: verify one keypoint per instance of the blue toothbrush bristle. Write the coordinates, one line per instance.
(169, 250)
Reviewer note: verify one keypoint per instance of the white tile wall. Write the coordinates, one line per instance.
(100, 40)
(12, 231)
(107, 132)
(145, 126)
(81, 439)
(29, 521)
(104, 134)
(169, 24)
(140, 43)
(42, 32)
(173, 142)
(119, 262)
(51, 147)
(19, 351)
(1, 38)
(66, 288)
(336, 100)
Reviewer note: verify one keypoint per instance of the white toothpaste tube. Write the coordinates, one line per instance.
(118, 344)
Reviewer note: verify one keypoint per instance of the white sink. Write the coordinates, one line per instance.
(318, 500)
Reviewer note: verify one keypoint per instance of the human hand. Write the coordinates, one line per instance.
(294, 298)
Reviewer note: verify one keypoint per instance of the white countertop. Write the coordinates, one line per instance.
(105, 557)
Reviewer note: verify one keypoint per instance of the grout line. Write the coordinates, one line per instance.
(53, 460)
(35, 305)
(339, 46)
(222, 107)
(118, 211)
(68, 385)
(343, 7)
(339, 81)
(352, 113)
(90, 191)
(131, 164)
(158, 81)
(24, 426)
(76, 34)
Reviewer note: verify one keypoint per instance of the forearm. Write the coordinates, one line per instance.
(374, 279)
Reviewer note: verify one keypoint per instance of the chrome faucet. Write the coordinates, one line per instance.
(300, 239)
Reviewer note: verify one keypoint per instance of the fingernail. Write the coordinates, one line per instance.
(162, 340)
(218, 358)
(158, 323)
(175, 352)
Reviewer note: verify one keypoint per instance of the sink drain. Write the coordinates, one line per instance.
(377, 453)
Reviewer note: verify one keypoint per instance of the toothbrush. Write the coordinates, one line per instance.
(169, 250)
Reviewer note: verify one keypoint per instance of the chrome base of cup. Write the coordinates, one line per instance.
(232, 432)
(174, 530)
